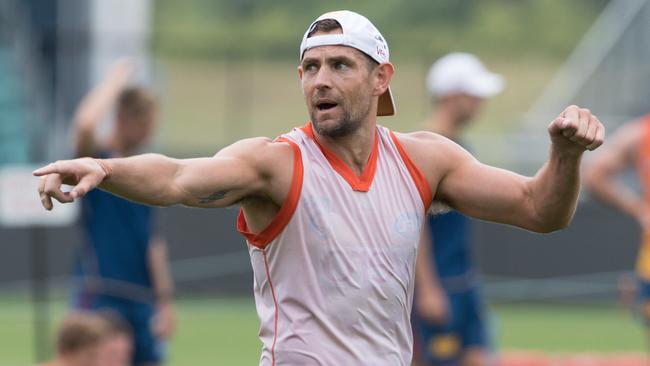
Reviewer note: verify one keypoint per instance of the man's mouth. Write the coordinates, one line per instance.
(326, 105)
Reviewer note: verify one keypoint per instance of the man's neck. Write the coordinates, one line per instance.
(444, 123)
(117, 147)
(354, 149)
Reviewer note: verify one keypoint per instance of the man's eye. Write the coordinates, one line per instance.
(340, 66)
(310, 67)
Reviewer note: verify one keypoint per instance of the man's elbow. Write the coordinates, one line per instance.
(550, 224)
(550, 228)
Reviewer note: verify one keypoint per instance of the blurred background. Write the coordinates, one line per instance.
(224, 70)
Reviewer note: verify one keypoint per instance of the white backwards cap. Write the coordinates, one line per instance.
(359, 33)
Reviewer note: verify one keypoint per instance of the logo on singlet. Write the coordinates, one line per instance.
(408, 225)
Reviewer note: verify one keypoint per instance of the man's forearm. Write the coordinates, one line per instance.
(426, 276)
(147, 179)
(159, 268)
(555, 190)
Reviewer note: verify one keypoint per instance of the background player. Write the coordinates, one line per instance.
(122, 266)
(629, 147)
(345, 74)
(80, 340)
(117, 349)
(449, 322)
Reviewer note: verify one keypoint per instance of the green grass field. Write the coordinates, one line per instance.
(224, 331)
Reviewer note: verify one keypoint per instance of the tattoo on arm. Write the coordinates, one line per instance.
(213, 197)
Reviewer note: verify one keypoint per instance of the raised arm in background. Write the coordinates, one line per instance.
(94, 107)
(601, 174)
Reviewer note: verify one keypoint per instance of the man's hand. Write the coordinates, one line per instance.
(165, 320)
(576, 130)
(433, 306)
(83, 174)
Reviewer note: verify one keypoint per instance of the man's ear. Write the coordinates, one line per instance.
(300, 72)
(383, 74)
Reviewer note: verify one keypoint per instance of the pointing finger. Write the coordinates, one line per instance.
(48, 169)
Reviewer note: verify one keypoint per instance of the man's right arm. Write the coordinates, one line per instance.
(251, 167)
(601, 173)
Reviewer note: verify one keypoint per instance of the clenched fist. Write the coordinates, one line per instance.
(576, 130)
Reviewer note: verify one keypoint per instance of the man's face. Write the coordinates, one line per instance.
(466, 107)
(337, 83)
(134, 132)
(116, 351)
(86, 357)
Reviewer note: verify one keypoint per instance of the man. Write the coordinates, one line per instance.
(630, 146)
(332, 211)
(448, 316)
(117, 349)
(80, 340)
(122, 266)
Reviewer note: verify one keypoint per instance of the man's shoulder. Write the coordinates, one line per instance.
(265, 154)
(257, 147)
(433, 154)
(424, 145)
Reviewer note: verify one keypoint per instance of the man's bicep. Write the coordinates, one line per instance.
(484, 192)
(222, 180)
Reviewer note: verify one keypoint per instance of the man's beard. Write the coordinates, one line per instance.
(346, 125)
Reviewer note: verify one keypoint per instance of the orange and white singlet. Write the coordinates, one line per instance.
(334, 271)
(643, 169)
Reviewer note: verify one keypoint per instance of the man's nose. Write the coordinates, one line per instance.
(323, 79)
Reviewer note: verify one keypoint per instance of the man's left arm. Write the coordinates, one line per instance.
(163, 288)
(543, 203)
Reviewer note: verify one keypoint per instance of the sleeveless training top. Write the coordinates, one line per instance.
(643, 169)
(334, 271)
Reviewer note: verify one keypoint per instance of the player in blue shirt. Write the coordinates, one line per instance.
(122, 266)
(448, 315)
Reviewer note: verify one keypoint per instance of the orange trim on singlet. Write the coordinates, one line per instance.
(276, 314)
(359, 183)
(286, 211)
(418, 178)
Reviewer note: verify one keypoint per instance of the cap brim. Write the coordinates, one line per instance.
(386, 104)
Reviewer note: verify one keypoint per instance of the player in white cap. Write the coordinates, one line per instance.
(449, 321)
(332, 211)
